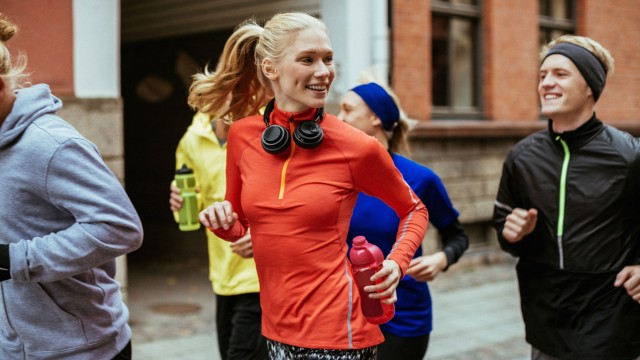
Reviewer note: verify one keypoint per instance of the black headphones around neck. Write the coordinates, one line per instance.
(307, 135)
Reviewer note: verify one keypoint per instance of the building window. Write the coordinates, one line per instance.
(557, 17)
(455, 60)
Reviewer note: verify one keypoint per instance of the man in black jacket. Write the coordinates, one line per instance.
(568, 207)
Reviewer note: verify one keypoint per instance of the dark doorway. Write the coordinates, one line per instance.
(155, 77)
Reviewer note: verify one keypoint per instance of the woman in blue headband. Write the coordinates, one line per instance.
(375, 110)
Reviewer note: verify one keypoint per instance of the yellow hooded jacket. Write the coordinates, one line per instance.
(201, 151)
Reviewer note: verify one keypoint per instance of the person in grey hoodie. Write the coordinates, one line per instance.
(64, 218)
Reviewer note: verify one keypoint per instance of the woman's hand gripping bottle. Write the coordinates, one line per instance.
(366, 260)
(188, 215)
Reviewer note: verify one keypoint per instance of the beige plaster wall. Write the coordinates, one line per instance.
(101, 121)
(470, 170)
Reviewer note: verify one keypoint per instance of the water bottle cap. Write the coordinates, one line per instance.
(184, 170)
(363, 252)
(359, 241)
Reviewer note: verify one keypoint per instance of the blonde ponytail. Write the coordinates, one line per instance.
(236, 73)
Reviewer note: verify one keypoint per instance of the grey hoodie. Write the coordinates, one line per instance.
(66, 218)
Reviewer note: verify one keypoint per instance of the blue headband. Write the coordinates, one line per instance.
(587, 63)
(380, 102)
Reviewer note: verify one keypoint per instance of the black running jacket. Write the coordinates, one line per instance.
(585, 185)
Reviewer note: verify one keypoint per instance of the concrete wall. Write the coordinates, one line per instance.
(470, 169)
(99, 120)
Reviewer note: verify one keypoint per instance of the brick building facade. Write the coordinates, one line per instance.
(468, 153)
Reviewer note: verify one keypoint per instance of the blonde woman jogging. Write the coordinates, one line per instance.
(293, 175)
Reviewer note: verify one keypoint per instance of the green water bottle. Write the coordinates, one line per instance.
(188, 215)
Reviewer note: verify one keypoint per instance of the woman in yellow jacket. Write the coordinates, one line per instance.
(232, 270)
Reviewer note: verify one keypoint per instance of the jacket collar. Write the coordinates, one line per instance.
(281, 117)
(580, 136)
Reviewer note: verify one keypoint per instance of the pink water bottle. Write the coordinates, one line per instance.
(367, 259)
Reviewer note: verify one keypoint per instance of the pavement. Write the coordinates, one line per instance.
(476, 311)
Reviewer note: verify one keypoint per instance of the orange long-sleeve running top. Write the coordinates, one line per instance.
(299, 205)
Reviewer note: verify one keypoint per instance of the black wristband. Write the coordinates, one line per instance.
(5, 263)
(454, 242)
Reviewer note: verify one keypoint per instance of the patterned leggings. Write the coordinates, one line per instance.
(280, 351)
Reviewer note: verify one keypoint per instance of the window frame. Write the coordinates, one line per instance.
(547, 23)
(472, 13)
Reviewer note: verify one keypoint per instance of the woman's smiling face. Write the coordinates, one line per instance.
(304, 75)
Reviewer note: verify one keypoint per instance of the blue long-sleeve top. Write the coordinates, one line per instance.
(376, 221)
